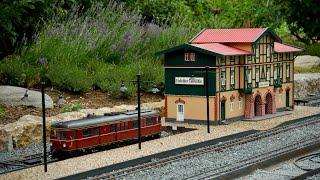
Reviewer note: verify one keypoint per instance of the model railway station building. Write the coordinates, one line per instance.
(250, 74)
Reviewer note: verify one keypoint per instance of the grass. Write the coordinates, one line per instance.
(313, 69)
(2, 111)
(95, 50)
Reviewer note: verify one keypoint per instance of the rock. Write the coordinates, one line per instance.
(28, 129)
(306, 61)
(11, 95)
(306, 84)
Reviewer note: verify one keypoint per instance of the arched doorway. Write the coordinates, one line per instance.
(268, 103)
(258, 105)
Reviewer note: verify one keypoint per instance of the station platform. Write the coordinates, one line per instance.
(269, 116)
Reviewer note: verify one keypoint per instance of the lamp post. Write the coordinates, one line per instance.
(138, 82)
(43, 62)
(207, 94)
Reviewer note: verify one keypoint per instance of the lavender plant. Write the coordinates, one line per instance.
(99, 48)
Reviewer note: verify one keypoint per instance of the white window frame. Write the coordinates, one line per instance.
(223, 78)
(240, 103)
(232, 72)
(249, 76)
(268, 50)
(257, 74)
(231, 105)
(268, 74)
(275, 72)
(189, 56)
(257, 51)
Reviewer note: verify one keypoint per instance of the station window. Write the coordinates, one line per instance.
(275, 72)
(288, 70)
(223, 78)
(232, 76)
(268, 50)
(85, 133)
(231, 105)
(257, 51)
(189, 57)
(249, 75)
(240, 103)
(257, 75)
(268, 73)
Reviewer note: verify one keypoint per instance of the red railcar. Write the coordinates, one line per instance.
(80, 135)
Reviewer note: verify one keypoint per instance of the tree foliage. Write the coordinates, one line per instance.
(303, 19)
(20, 20)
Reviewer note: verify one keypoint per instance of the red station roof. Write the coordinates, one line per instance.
(228, 35)
(216, 41)
(281, 48)
(221, 49)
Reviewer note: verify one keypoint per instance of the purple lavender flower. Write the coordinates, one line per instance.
(113, 48)
(127, 38)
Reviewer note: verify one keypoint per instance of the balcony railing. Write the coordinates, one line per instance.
(247, 89)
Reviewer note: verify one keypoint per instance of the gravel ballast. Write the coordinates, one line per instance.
(105, 158)
(189, 167)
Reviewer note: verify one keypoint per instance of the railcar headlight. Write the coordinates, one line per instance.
(50, 143)
(64, 145)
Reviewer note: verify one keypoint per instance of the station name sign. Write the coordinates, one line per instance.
(189, 80)
(264, 84)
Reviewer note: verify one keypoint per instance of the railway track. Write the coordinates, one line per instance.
(19, 163)
(223, 170)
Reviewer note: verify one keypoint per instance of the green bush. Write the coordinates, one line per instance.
(313, 49)
(71, 107)
(2, 111)
(15, 72)
(69, 76)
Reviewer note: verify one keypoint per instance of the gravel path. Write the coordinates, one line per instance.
(189, 167)
(105, 158)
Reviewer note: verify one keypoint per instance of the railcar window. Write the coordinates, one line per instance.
(63, 135)
(112, 128)
(126, 125)
(135, 124)
(149, 121)
(95, 131)
(74, 135)
(85, 133)
(159, 119)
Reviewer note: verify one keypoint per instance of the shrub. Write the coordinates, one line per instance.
(15, 72)
(69, 76)
(313, 49)
(71, 107)
(2, 111)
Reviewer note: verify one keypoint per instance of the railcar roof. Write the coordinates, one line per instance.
(103, 119)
